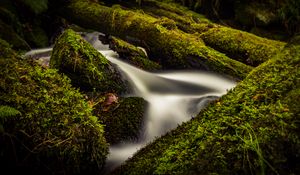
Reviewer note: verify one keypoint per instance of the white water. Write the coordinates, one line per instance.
(174, 97)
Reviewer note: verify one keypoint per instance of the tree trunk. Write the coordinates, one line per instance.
(242, 46)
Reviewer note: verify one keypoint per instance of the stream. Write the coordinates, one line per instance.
(174, 97)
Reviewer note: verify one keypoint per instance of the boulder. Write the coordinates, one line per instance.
(87, 68)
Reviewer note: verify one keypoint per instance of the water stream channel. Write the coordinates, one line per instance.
(174, 97)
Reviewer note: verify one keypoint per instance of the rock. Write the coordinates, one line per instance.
(87, 68)
(123, 119)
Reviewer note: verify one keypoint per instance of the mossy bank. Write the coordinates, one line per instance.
(56, 131)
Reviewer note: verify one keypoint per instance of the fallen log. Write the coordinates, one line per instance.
(132, 54)
(239, 45)
(254, 129)
(160, 37)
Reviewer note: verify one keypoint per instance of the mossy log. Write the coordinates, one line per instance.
(254, 129)
(86, 67)
(133, 54)
(160, 37)
(123, 120)
(56, 132)
(239, 45)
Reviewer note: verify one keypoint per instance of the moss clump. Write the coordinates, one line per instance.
(176, 49)
(254, 129)
(56, 131)
(132, 54)
(123, 121)
(86, 67)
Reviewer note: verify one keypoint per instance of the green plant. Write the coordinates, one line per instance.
(251, 142)
(5, 113)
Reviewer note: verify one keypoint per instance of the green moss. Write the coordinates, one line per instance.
(56, 131)
(132, 54)
(176, 49)
(242, 46)
(185, 51)
(86, 67)
(254, 129)
(124, 120)
(185, 19)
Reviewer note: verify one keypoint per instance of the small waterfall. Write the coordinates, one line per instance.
(174, 97)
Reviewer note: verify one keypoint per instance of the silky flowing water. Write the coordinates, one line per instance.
(174, 97)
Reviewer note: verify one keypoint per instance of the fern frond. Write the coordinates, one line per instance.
(7, 111)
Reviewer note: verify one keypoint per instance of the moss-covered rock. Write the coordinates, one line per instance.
(86, 67)
(176, 49)
(123, 120)
(132, 54)
(56, 132)
(254, 129)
